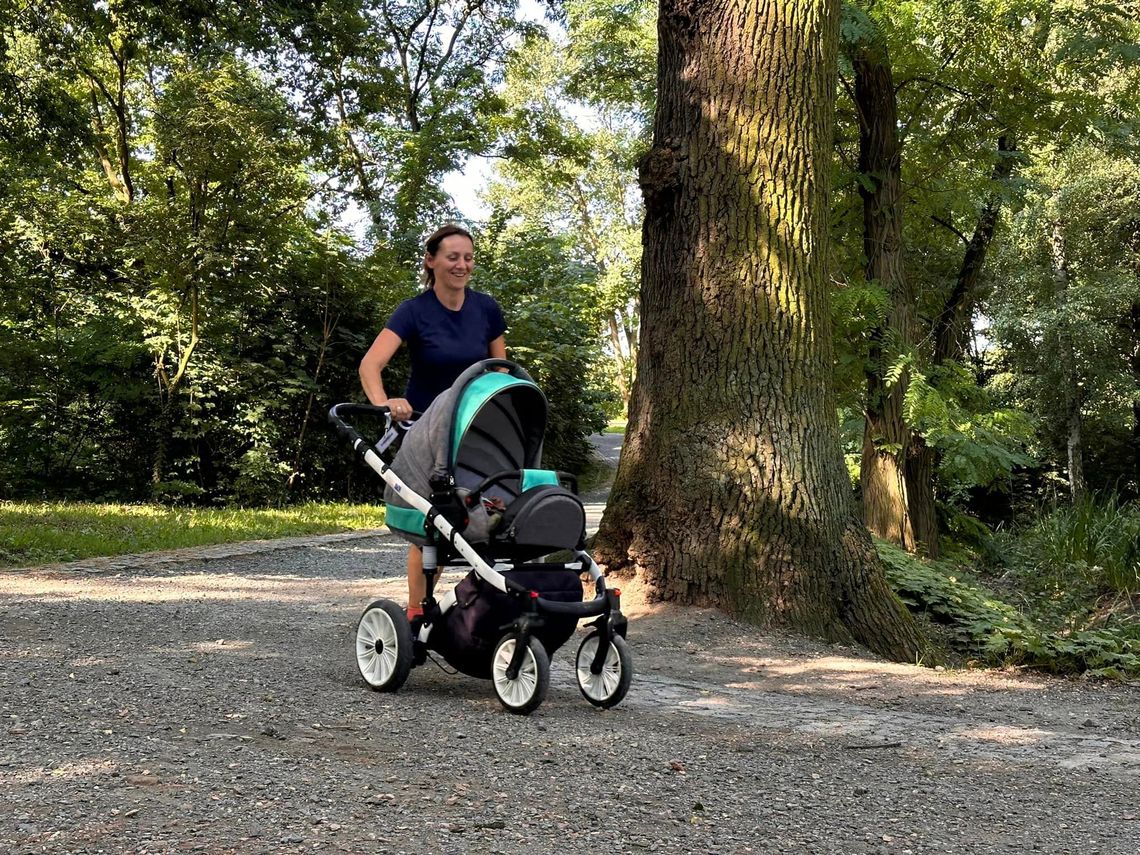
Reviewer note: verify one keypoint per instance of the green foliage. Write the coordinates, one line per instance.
(581, 125)
(548, 302)
(49, 532)
(156, 342)
(990, 631)
(1055, 84)
(394, 96)
(980, 445)
(1064, 314)
(613, 50)
(1095, 544)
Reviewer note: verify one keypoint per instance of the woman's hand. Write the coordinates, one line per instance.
(400, 409)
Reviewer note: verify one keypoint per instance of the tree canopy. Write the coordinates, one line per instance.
(210, 208)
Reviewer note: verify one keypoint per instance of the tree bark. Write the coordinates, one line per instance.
(1065, 352)
(898, 501)
(731, 490)
(951, 324)
(1136, 393)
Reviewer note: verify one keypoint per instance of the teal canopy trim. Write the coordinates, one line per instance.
(535, 477)
(407, 520)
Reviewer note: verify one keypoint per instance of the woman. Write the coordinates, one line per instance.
(447, 328)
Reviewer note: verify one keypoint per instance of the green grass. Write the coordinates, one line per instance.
(55, 531)
(1094, 544)
(615, 426)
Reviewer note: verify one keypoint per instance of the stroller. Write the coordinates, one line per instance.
(463, 483)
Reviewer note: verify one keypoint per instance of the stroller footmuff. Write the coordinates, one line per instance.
(466, 484)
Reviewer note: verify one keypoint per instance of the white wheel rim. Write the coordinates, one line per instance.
(516, 692)
(601, 686)
(376, 667)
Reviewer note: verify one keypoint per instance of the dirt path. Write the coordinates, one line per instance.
(209, 703)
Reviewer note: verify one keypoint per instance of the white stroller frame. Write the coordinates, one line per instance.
(387, 648)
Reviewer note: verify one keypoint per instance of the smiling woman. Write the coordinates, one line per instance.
(447, 328)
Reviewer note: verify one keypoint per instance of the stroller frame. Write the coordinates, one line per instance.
(388, 646)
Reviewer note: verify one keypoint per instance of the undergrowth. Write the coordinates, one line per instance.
(987, 630)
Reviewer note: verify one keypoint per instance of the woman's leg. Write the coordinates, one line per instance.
(417, 584)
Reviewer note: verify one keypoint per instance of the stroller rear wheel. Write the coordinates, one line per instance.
(522, 693)
(384, 646)
(606, 688)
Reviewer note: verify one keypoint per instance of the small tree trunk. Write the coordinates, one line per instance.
(894, 499)
(1066, 353)
(621, 361)
(1077, 486)
(1136, 393)
(731, 490)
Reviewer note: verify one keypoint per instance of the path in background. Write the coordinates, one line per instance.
(607, 446)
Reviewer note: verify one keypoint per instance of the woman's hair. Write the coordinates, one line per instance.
(432, 247)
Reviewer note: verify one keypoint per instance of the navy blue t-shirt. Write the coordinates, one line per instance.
(444, 343)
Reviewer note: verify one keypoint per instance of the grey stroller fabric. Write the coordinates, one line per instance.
(505, 432)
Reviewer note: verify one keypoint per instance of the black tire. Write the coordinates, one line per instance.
(609, 687)
(524, 693)
(384, 646)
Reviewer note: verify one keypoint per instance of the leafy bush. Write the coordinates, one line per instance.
(1093, 542)
(990, 631)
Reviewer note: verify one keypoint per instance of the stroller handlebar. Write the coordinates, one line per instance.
(340, 412)
(485, 365)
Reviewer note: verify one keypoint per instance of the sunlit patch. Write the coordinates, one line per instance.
(64, 772)
(710, 701)
(832, 664)
(88, 662)
(1004, 735)
(225, 644)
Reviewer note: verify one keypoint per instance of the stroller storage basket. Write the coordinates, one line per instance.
(475, 623)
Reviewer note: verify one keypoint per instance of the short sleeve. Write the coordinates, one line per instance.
(496, 326)
(403, 322)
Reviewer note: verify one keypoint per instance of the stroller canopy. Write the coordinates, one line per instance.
(498, 424)
(489, 421)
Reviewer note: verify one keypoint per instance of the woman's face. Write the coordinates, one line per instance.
(453, 262)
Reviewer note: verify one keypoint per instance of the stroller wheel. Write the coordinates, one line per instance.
(522, 693)
(606, 688)
(384, 646)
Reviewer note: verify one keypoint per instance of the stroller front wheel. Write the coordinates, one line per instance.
(384, 646)
(522, 693)
(606, 688)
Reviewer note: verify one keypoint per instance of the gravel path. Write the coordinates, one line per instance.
(209, 703)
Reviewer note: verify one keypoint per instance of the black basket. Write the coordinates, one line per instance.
(474, 625)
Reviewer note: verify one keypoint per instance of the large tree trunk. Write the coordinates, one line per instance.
(731, 490)
(898, 503)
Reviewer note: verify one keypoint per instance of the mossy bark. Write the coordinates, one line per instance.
(898, 501)
(731, 490)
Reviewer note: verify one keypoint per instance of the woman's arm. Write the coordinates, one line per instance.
(374, 363)
(497, 349)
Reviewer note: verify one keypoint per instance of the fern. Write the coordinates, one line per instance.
(993, 632)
